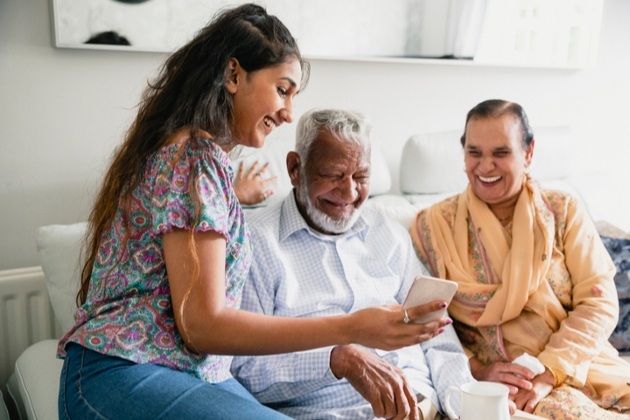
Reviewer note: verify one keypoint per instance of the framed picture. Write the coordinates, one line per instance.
(559, 33)
(327, 28)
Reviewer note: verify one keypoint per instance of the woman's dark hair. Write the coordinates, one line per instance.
(189, 91)
(495, 108)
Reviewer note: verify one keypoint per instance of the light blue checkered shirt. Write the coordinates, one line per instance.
(298, 272)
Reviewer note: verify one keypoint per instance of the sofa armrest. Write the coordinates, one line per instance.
(35, 383)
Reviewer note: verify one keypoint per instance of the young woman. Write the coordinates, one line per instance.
(168, 248)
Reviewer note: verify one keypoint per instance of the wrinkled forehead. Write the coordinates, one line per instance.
(483, 129)
(332, 149)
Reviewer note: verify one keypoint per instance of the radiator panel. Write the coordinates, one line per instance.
(26, 316)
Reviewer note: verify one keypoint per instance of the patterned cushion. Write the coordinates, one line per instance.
(619, 249)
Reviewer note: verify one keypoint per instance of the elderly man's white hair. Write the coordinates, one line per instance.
(347, 126)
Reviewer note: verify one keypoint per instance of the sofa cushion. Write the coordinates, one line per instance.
(34, 385)
(432, 163)
(59, 248)
(619, 250)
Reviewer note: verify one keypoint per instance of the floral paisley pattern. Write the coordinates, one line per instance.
(128, 312)
(568, 403)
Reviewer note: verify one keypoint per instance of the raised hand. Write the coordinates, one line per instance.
(250, 185)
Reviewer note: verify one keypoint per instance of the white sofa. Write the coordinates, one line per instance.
(430, 170)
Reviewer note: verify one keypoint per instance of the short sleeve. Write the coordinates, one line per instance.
(192, 189)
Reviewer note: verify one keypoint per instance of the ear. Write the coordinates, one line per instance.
(294, 165)
(529, 153)
(234, 75)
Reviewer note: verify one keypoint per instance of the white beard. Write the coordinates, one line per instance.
(321, 219)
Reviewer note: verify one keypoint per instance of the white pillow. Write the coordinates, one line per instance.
(394, 207)
(59, 248)
(432, 163)
(380, 178)
(554, 152)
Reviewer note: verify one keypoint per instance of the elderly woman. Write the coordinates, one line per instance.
(533, 276)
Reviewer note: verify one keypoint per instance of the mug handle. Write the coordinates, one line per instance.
(447, 404)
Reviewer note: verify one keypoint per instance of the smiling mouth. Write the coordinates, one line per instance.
(489, 180)
(269, 123)
(342, 207)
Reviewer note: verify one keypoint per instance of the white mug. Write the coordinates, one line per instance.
(480, 401)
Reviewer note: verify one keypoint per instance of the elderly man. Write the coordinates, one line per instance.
(320, 253)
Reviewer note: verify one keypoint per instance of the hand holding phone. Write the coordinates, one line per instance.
(427, 289)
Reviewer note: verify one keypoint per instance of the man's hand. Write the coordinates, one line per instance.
(384, 386)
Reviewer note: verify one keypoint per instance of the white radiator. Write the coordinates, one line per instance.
(26, 316)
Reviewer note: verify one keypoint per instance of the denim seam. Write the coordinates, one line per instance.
(82, 398)
(62, 386)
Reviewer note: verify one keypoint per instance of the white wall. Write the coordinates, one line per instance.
(62, 111)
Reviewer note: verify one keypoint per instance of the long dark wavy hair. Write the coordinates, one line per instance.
(189, 91)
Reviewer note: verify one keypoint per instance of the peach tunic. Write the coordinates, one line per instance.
(542, 285)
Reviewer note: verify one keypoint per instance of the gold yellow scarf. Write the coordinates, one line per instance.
(515, 266)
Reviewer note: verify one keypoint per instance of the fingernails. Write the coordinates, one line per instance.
(449, 321)
(443, 305)
(441, 330)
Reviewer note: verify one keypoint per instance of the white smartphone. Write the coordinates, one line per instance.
(426, 289)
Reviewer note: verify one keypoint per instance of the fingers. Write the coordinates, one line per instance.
(382, 384)
(509, 374)
(269, 180)
(250, 185)
(422, 310)
(253, 170)
(411, 334)
(240, 173)
(410, 401)
(266, 194)
(255, 174)
(514, 375)
(428, 329)
(512, 407)
(382, 327)
(399, 402)
(527, 400)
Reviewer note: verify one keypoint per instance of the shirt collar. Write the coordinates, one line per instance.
(291, 221)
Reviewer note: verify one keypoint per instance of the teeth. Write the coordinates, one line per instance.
(491, 179)
(269, 122)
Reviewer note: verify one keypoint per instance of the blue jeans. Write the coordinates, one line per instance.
(96, 386)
